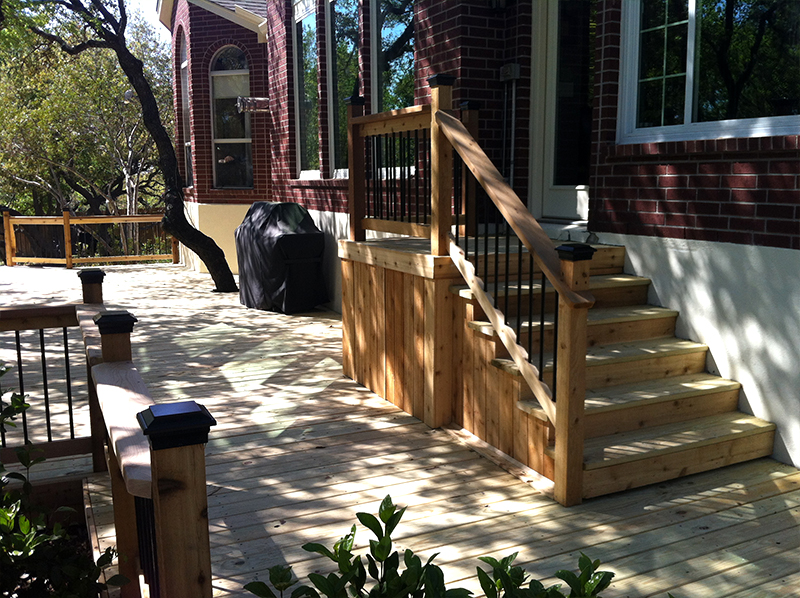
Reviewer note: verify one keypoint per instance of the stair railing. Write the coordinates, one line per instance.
(567, 271)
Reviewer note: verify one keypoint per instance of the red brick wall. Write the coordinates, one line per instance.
(206, 33)
(472, 41)
(467, 39)
(730, 190)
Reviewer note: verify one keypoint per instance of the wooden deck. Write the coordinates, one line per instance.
(300, 449)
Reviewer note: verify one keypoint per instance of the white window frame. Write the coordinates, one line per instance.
(214, 141)
(186, 111)
(628, 133)
(302, 9)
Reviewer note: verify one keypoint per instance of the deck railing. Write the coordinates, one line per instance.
(155, 452)
(71, 248)
(476, 233)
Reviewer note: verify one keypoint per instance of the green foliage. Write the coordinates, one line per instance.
(38, 557)
(505, 580)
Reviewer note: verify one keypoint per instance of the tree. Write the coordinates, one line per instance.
(77, 26)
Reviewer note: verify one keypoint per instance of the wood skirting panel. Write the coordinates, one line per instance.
(398, 337)
(487, 396)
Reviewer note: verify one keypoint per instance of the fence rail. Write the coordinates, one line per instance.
(67, 222)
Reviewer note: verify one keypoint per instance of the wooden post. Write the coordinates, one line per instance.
(11, 240)
(441, 167)
(67, 240)
(469, 116)
(176, 251)
(177, 434)
(115, 332)
(357, 169)
(92, 285)
(570, 382)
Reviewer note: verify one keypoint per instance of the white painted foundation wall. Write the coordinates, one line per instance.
(744, 303)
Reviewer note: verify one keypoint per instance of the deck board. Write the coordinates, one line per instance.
(300, 449)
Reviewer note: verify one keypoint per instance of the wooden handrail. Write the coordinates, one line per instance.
(513, 210)
(59, 220)
(35, 317)
(394, 121)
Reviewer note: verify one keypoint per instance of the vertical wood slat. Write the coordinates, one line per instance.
(357, 169)
(571, 388)
(10, 239)
(348, 319)
(480, 365)
(67, 240)
(459, 310)
(493, 399)
(520, 422)
(125, 529)
(438, 352)
(468, 384)
(507, 410)
(441, 167)
(418, 392)
(395, 336)
(181, 513)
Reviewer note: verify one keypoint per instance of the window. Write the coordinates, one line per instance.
(702, 69)
(392, 54)
(185, 115)
(344, 16)
(230, 78)
(307, 85)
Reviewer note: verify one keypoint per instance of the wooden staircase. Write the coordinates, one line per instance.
(652, 411)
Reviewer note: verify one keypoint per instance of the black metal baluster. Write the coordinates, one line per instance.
(487, 207)
(519, 290)
(496, 254)
(69, 384)
(507, 273)
(46, 392)
(2, 429)
(148, 555)
(457, 190)
(403, 173)
(530, 311)
(21, 386)
(417, 174)
(428, 189)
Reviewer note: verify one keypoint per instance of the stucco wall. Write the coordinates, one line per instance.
(744, 303)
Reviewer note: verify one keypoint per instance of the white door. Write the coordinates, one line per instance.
(561, 111)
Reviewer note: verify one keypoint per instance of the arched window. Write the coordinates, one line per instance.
(233, 161)
(185, 115)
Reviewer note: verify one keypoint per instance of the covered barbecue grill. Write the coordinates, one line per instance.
(280, 258)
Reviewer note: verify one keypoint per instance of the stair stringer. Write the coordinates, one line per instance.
(506, 334)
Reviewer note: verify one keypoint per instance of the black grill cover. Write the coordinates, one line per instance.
(280, 258)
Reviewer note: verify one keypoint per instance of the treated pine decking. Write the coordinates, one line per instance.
(299, 449)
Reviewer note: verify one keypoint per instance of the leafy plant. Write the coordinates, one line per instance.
(38, 557)
(505, 580)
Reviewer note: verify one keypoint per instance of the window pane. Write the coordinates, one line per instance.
(748, 64)
(231, 86)
(308, 92)
(395, 63)
(651, 95)
(234, 165)
(229, 59)
(653, 13)
(662, 62)
(345, 71)
(229, 123)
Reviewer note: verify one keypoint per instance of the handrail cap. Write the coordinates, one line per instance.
(354, 101)
(115, 322)
(173, 425)
(575, 252)
(91, 275)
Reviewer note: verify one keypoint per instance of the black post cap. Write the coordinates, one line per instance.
(441, 79)
(91, 275)
(115, 322)
(575, 252)
(470, 105)
(354, 101)
(173, 425)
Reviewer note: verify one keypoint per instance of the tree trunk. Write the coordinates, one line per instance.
(174, 222)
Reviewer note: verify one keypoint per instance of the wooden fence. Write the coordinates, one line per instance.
(66, 221)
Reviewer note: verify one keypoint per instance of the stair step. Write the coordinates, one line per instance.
(609, 290)
(625, 363)
(649, 403)
(608, 259)
(632, 459)
(606, 325)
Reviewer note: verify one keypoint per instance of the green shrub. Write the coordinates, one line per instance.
(38, 557)
(379, 573)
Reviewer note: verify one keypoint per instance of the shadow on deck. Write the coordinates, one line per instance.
(299, 449)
